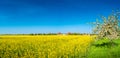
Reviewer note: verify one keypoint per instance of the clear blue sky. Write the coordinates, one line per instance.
(41, 16)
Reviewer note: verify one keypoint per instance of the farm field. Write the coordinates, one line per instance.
(57, 46)
(46, 46)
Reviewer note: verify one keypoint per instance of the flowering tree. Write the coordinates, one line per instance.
(108, 27)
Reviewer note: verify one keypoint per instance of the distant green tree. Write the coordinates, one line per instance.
(69, 33)
(76, 33)
(59, 33)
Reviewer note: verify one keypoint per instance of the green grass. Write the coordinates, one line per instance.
(104, 49)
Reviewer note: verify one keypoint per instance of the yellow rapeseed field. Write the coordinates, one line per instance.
(45, 46)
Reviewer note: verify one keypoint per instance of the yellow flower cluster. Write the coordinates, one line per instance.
(45, 46)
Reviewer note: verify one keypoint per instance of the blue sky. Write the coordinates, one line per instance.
(44, 16)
